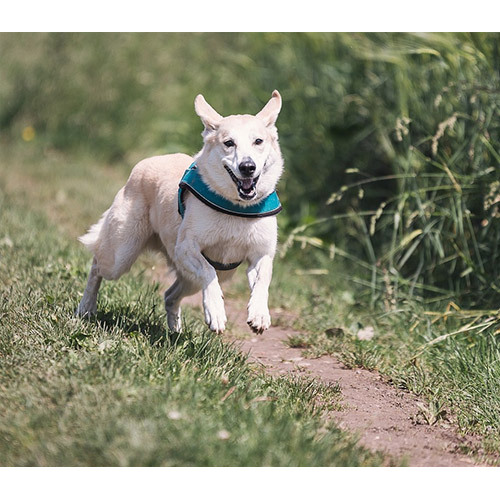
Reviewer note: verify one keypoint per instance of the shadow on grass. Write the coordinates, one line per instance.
(154, 330)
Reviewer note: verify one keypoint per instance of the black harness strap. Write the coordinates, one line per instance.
(219, 266)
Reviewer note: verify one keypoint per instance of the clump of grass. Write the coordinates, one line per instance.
(298, 341)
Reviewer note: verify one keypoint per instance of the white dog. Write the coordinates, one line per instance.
(221, 214)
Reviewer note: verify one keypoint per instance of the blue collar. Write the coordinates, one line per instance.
(192, 181)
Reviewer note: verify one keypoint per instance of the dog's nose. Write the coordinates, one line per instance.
(247, 167)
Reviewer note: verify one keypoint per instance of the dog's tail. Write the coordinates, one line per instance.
(91, 237)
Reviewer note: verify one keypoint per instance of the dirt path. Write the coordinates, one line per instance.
(384, 417)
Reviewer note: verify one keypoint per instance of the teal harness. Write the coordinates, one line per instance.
(192, 181)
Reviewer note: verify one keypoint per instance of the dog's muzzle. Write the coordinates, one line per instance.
(247, 187)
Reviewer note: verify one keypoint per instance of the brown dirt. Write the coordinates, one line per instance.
(384, 418)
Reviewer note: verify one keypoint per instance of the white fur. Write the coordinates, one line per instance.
(144, 215)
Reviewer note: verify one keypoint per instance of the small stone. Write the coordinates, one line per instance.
(174, 415)
(366, 333)
(223, 435)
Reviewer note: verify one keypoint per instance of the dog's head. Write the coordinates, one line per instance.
(240, 159)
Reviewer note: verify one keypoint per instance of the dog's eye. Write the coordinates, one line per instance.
(229, 144)
(258, 141)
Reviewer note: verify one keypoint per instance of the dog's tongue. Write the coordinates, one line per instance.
(247, 184)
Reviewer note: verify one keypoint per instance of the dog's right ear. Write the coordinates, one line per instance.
(210, 118)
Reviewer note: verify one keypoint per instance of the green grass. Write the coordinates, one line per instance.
(391, 188)
(319, 296)
(116, 391)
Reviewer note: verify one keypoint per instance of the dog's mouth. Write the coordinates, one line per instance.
(247, 187)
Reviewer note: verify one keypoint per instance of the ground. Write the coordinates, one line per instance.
(385, 419)
(100, 393)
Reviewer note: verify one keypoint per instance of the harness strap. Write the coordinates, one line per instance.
(219, 266)
(192, 182)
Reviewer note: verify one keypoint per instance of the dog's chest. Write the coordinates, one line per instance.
(227, 238)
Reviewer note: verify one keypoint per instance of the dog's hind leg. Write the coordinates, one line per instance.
(88, 304)
(173, 296)
(116, 241)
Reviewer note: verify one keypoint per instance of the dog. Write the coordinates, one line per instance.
(206, 214)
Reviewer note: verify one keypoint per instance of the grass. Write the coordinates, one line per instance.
(117, 380)
(116, 391)
(397, 230)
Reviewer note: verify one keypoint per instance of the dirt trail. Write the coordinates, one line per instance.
(384, 417)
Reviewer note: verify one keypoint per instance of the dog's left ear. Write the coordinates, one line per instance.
(269, 113)
(210, 118)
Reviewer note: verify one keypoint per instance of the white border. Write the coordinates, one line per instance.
(248, 483)
(254, 15)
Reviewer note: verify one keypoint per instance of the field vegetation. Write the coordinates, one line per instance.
(391, 221)
(119, 391)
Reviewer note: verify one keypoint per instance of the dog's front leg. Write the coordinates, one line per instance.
(259, 278)
(191, 263)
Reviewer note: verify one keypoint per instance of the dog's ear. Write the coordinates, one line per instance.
(269, 113)
(210, 118)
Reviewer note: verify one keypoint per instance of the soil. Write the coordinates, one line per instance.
(385, 418)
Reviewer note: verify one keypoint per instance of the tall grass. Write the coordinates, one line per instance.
(426, 224)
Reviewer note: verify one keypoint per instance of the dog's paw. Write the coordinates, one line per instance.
(215, 314)
(259, 321)
(85, 310)
(174, 321)
(216, 320)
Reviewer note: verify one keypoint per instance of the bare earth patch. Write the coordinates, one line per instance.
(383, 417)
